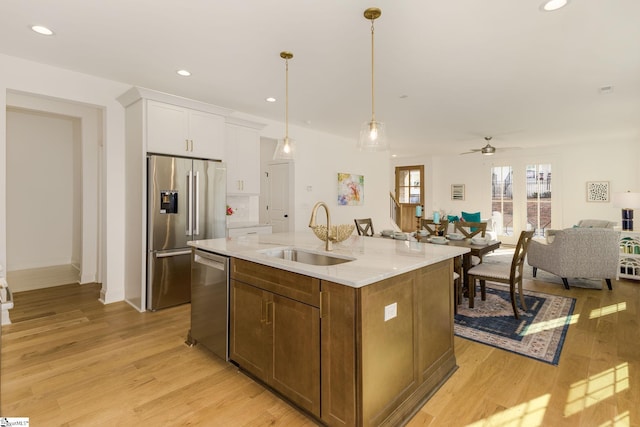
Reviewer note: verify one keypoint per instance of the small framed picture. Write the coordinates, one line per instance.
(457, 191)
(597, 191)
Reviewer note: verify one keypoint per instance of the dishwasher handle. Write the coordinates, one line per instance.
(211, 260)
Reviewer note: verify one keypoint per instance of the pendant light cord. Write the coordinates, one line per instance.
(373, 97)
(286, 101)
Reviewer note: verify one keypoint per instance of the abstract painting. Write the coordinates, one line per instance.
(597, 191)
(350, 189)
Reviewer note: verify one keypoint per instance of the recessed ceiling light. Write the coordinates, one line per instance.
(183, 73)
(42, 30)
(551, 5)
(270, 99)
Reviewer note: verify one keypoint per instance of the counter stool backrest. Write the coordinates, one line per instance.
(364, 227)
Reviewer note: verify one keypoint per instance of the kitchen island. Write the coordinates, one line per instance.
(363, 342)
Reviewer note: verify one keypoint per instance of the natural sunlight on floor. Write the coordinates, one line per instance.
(597, 388)
(610, 309)
(622, 420)
(582, 395)
(550, 324)
(529, 414)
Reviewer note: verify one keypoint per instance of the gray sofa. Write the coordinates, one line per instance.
(578, 252)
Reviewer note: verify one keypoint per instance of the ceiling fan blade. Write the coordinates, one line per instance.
(470, 152)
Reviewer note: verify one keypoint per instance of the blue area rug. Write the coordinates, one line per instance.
(539, 333)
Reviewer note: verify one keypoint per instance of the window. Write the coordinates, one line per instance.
(525, 203)
(502, 199)
(409, 184)
(539, 198)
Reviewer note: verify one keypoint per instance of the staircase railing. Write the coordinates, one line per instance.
(394, 209)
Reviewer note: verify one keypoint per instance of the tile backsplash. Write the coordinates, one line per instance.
(245, 209)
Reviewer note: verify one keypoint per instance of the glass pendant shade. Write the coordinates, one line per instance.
(285, 150)
(373, 137)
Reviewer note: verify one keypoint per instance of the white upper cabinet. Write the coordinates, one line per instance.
(242, 154)
(183, 131)
(162, 123)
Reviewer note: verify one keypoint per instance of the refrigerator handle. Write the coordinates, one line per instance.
(189, 230)
(196, 194)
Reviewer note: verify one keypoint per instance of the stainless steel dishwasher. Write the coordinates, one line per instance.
(210, 302)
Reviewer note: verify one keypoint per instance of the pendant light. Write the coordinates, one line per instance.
(372, 133)
(286, 148)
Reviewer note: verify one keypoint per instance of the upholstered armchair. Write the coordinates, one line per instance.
(584, 223)
(578, 252)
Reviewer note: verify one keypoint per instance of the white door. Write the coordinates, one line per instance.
(280, 208)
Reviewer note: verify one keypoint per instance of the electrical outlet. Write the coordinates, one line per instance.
(390, 311)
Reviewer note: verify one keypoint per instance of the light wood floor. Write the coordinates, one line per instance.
(42, 277)
(68, 360)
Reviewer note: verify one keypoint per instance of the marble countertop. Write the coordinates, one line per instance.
(375, 258)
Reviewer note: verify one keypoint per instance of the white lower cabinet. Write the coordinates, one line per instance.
(243, 231)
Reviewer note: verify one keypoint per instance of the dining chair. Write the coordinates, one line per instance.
(470, 229)
(510, 274)
(435, 229)
(364, 227)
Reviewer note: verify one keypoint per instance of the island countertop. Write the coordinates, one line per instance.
(375, 259)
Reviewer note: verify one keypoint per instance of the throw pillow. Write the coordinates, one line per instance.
(453, 218)
(471, 217)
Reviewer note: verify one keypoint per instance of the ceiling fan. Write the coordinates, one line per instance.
(488, 149)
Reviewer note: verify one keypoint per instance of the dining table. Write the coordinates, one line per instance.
(478, 250)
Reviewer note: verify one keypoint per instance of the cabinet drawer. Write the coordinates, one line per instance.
(235, 232)
(291, 285)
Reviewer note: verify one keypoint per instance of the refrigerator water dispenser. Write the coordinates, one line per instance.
(168, 202)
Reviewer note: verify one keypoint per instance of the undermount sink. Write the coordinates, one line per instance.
(306, 257)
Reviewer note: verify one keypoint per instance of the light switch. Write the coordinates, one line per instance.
(390, 311)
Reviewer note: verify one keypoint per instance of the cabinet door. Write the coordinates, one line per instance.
(338, 354)
(296, 352)
(167, 129)
(242, 152)
(206, 133)
(250, 335)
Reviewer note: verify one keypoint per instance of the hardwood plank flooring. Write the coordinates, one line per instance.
(68, 360)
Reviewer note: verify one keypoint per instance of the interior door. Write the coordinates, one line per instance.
(279, 208)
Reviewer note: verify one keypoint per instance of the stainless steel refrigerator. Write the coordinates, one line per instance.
(186, 201)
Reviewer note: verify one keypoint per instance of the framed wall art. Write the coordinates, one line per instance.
(350, 189)
(597, 191)
(457, 191)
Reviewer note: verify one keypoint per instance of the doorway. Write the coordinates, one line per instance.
(276, 189)
(53, 171)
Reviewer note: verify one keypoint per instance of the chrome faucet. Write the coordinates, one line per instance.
(312, 223)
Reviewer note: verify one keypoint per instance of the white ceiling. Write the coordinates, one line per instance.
(447, 73)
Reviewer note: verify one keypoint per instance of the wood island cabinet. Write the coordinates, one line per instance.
(275, 332)
(348, 356)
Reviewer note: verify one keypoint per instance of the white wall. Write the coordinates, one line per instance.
(41, 80)
(319, 159)
(572, 166)
(40, 182)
